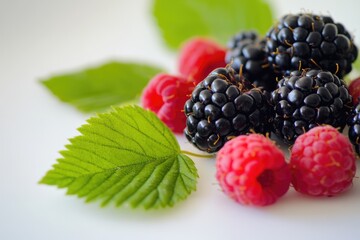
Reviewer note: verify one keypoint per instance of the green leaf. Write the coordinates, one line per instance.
(125, 156)
(97, 88)
(356, 64)
(180, 20)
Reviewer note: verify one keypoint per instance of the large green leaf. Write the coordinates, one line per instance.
(125, 156)
(182, 19)
(97, 88)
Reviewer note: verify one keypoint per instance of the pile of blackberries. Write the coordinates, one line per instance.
(286, 83)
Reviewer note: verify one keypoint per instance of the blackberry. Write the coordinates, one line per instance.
(354, 128)
(246, 54)
(307, 99)
(310, 41)
(223, 106)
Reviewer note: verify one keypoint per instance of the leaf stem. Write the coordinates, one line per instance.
(198, 155)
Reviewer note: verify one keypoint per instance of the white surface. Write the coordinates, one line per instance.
(41, 37)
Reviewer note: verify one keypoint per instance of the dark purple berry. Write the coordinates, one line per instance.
(305, 41)
(306, 99)
(246, 54)
(222, 107)
(354, 128)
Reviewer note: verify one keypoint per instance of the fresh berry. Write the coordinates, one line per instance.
(307, 99)
(354, 128)
(246, 54)
(198, 57)
(322, 162)
(309, 41)
(223, 106)
(252, 170)
(166, 95)
(354, 90)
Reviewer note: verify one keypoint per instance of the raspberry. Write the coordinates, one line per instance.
(246, 54)
(198, 57)
(222, 107)
(354, 90)
(252, 170)
(354, 128)
(322, 162)
(165, 95)
(307, 99)
(310, 41)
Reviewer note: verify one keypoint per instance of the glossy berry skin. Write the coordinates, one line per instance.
(165, 95)
(252, 170)
(309, 41)
(222, 107)
(354, 90)
(307, 99)
(246, 54)
(354, 128)
(198, 57)
(322, 162)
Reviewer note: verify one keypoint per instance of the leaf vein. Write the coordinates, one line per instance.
(82, 186)
(154, 126)
(119, 148)
(144, 134)
(121, 134)
(146, 180)
(111, 197)
(97, 155)
(65, 170)
(68, 154)
(101, 184)
(72, 163)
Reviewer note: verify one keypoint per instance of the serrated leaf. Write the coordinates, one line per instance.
(180, 20)
(125, 156)
(98, 88)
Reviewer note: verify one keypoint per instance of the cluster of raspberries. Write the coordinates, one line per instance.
(253, 171)
(289, 83)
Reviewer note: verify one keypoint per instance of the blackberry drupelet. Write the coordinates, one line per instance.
(310, 41)
(307, 99)
(246, 54)
(354, 128)
(223, 106)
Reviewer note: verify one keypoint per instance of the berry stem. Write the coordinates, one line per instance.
(198, 155)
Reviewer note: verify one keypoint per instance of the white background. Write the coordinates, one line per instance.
(41, 37)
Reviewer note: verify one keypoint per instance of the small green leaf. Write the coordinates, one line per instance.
(97, 88)
(180, 20)
(125, 156)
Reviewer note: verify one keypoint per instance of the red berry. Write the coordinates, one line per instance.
(354, 90)
(166, 95)
(252, 170)
(322, 162)
(198, 57)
